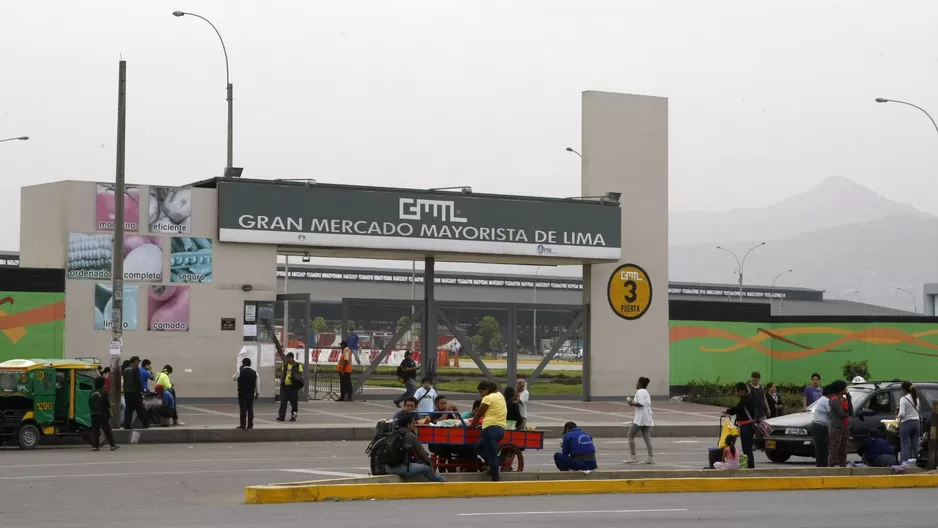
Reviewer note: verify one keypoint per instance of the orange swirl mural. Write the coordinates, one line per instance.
(791, 352)
(32, 325)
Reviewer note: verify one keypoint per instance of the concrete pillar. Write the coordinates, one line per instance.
(625, 150)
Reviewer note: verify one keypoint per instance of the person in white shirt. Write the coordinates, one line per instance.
(522, 394)
(425, 397)
(910, 422)
(819, 432)
(643, 421)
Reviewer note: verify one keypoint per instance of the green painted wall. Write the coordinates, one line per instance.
(32, 325)
(791, 352)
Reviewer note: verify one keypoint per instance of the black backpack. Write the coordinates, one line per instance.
(390, 450)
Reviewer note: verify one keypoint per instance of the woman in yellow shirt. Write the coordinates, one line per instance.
(491, 416)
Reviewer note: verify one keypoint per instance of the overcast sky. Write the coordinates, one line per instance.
(764, 101)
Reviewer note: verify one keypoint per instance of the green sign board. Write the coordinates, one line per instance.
(333, 216)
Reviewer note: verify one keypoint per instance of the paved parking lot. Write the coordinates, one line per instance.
(551, 413)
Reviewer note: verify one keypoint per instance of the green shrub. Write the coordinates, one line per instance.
(853, 369)
(724, 394)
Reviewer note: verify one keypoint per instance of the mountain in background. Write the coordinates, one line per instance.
(840, 237)
(836, 201)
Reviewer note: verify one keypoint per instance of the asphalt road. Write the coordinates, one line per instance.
(203, 485)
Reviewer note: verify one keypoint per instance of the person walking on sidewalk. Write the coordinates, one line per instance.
(643, 421)
(345, 372)
(744, 412)
(291, 381)
(99, 403)
(249, 389)
(407, 374)
(838, 424)
(133, 395)
(819, 434)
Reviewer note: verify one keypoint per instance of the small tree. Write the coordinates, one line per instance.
(402, 321)
(319, 325)
(853, 369)
(488, 336)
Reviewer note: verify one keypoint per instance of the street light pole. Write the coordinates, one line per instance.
(537, 349)
(741, 264)
(19, 138)
(912, 295)
(773, 287)
(117, 271)
(229, 89)
(883, 100)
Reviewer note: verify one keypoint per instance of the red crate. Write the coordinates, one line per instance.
(464, 436)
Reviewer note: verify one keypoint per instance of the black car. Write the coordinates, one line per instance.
(872, 403)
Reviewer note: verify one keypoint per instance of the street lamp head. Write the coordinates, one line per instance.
(23, 138)
(178, 13)
(762, 244)
(569, 149)
(881, 100)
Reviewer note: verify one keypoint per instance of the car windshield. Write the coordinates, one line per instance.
(858, 397)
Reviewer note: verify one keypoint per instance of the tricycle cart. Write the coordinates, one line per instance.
(452, 448)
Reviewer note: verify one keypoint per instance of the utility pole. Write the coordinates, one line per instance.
(117, 257)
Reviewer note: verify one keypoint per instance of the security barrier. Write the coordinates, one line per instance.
(324, 381)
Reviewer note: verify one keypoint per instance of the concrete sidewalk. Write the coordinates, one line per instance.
(336, 421)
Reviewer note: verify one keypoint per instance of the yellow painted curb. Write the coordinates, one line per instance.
(310, 492)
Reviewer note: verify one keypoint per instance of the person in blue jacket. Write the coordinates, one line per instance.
(876, 451)
(353, 344)
(578, 452)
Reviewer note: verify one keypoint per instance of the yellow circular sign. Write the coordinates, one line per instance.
(629, 291)
(40, 375)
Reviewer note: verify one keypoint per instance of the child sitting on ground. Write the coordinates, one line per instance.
(730, 455)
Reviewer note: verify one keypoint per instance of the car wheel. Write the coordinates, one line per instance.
(28, 436)
(777, 457)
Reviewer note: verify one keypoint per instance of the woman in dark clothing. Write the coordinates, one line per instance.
(744, 411)
(838, 424)
(511, 401)
(774, 399)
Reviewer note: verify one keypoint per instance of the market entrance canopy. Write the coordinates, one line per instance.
(340, 220)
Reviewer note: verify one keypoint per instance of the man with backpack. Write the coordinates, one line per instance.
(401, 453)
(407, 374)
(291, 381)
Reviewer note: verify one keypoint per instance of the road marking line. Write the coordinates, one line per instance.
(566, 512)
(178, 460)
(566, 408)
(219, 413)
(347, 416)
(325, 473)
(146, 473)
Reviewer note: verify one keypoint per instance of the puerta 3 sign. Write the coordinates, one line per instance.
(399, 219)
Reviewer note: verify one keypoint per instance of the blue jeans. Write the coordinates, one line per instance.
(909, 433)
(565, 463)
(415, 469)
(487, 448)
(411, 388)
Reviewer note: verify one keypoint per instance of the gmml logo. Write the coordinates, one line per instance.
(415, 209)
